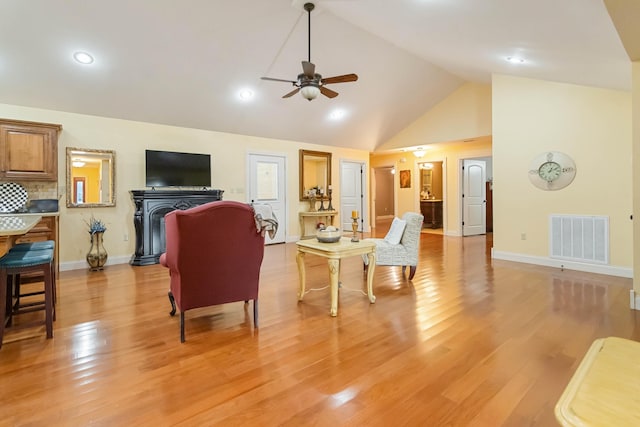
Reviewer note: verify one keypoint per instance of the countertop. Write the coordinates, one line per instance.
(14, 225)
(27, 214)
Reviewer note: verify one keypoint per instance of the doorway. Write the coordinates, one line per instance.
(267, 184)
(476, 196)
(384, 195)
(352, 194)
(432, 196)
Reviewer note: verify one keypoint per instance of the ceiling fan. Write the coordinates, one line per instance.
(309, 83)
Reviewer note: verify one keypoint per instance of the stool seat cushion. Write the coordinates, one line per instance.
(22, 247)
(26, 259)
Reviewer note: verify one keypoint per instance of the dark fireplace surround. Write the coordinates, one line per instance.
(148, 219)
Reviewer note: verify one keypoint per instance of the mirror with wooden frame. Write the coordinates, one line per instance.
(315, 172)
(90, 178)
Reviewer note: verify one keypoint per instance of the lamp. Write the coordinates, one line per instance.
(419, 153)
(310, 92)
(78, 163)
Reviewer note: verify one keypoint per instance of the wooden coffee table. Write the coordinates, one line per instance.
(334, 252)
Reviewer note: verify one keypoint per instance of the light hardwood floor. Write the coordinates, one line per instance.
(469, 341)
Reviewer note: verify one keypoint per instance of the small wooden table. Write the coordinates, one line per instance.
(334, 252)
(12, 226)
(604, 390)
(327, 215)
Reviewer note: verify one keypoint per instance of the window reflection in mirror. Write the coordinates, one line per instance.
(315, 171)
(90, 178)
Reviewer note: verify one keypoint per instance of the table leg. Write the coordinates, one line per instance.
(302, 227)
(301, 274)
(334, 277)
(371, 256)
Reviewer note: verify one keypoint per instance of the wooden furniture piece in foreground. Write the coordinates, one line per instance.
(604, 389)
(334, 252)
(326, 215)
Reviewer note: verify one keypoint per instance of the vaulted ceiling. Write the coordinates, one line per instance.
(184, 63)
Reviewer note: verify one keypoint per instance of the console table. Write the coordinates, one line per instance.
(148, 219)
(326, 215)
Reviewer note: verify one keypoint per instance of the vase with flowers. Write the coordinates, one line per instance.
(97, 255)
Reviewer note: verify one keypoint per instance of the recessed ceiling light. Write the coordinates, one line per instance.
(337, 114)
(515, 60)
(83, 57)
(245, 94)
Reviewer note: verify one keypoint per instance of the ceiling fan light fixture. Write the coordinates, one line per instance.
(310, 92)
(419, 153)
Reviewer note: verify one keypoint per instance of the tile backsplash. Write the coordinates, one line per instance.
(38, 189)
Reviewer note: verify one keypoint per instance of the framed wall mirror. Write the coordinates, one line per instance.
(315, 171)
(90, 178)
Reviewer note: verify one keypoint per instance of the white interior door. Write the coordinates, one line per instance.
(267, 185)
(351, 194)
(474, 200)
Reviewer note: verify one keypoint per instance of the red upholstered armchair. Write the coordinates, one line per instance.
(214, 253)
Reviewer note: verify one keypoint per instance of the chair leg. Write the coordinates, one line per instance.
(3, 296)
(182, 326)
(172, 300)
(412, 271)
(9, 303)
(255, 313)
(48, 301)
(404, 268)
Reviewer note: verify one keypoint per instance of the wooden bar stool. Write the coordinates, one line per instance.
(39, 261)
(23, 247)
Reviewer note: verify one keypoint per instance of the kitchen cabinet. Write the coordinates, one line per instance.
(29, 150)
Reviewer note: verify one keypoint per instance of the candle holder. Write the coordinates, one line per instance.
(321, 203)
(354, 227)
(329, 191)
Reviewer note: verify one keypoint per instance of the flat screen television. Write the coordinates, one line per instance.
(172, 169)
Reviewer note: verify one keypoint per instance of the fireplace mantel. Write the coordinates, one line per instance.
(148, 219)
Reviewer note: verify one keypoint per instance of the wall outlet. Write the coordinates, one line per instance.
(523, 236)
(125, 237)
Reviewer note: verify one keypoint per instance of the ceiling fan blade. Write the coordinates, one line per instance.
(278, 80)
(328, 92)
(293, 92)
(309, 69)
(340, 79)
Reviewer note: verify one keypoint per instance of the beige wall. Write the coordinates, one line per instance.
(591, 125)
(129, 139)
(636, 174)
(464, 114)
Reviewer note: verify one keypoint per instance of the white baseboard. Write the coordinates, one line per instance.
(564, 264)
(82, 265)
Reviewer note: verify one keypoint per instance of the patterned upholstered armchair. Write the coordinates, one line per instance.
(214, 254)
(405, 252)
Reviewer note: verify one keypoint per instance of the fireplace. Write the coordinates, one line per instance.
(148, 219)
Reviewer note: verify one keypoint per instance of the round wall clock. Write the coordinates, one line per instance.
(552, 170)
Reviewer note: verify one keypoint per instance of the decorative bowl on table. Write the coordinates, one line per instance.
(329, 235)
